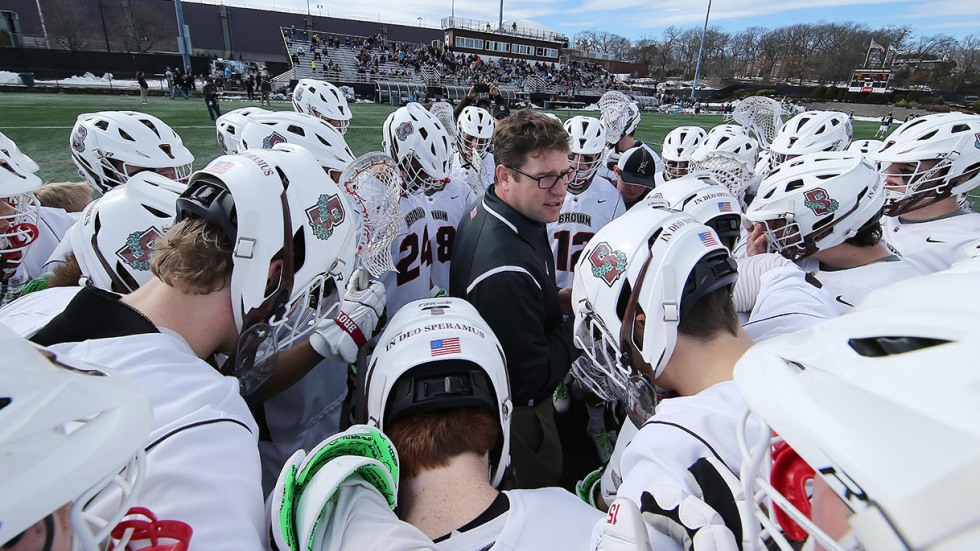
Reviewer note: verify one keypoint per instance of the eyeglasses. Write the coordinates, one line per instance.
(547, 181)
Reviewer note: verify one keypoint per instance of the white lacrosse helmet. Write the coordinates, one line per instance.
(438, 354)
(730, 129)
(18, 213)
(586, 143)
(865, 147)
(110, 145)
(318, 136)
(276, 205)
(811, 132)
(619, 114)
(322, 100)
(230, 127)
(679, 145)
(68, 432)
(420, 145)
(605, 275)
(686, 262)
(817, 201)
(935, 156)
(709, 202)
(474, 134)
(742, 145)
(832, 389)
(116, 234)
(9, 148)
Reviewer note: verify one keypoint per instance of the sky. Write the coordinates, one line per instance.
(637, 19)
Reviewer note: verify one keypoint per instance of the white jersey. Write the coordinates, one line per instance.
(26, 315)
(682, 431)
(932, 245)
(446, 210)
(411, 252)
(298, 417)
(849, 286)
(478, 181)
(545, 518)
(581, 217)
(788, 301)
(202, 464)
(52, 224)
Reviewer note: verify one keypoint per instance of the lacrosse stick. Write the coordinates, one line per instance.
(727, 169)
(373, 186)
(762, 115)
(614, 108)
(444, 112)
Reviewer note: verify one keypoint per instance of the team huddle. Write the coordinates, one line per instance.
(292, 348)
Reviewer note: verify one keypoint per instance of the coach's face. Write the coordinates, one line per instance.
(520, 187)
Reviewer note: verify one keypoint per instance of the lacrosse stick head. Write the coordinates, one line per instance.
(762, 115)
(444, 112)
(619, 115)
(728, 169)
(373, 187)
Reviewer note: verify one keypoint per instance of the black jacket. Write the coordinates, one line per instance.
(502, 264)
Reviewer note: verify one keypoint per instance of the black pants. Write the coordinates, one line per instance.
(535, 450)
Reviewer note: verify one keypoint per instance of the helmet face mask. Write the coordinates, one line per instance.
(586, 143)
(929, 159)
(678, 149)
(474, 135)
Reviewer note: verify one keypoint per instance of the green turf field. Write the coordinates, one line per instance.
(40, 124)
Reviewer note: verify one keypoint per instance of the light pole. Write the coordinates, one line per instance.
(44, 28)
(420, 21)
(697, 70)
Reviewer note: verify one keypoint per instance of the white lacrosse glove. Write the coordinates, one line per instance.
(303, 495)
(710, 519)
(341, 338)
(625, 529)
(749, 282)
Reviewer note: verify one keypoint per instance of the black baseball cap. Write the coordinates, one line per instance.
(638, 166)
(500, 111)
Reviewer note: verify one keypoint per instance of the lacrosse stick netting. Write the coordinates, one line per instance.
(373, 186)
(727, 169)
(444, 112)
(762, 115)
(614, 112)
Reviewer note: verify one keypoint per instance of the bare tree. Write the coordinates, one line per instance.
(143, 27)
(70, 23)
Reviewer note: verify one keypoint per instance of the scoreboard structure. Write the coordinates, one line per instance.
(874, 81)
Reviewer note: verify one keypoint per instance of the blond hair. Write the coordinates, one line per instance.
(193, 256)
(70, 196)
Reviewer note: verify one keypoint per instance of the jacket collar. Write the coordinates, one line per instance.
(520, 224)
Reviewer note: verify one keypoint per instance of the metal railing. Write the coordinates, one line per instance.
(513, 30)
